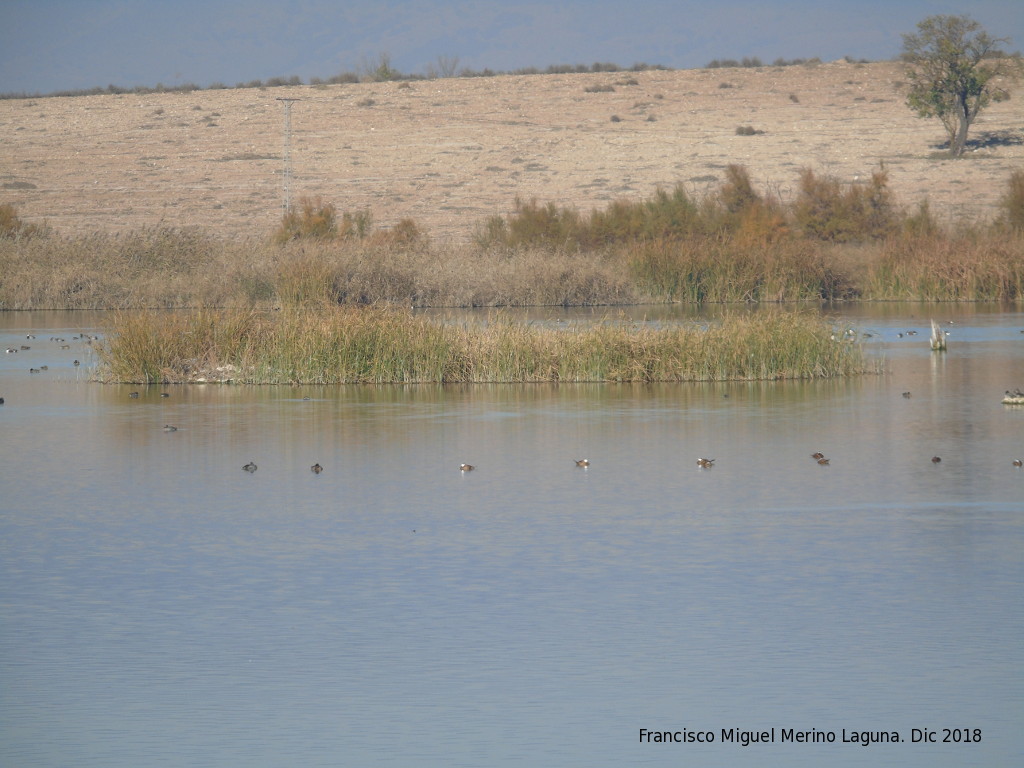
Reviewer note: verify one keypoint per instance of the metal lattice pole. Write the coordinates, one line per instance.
(287, 178)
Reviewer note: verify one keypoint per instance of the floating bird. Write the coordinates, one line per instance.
(165, 394)
(250, 467)
(583, 463)
(76, 363)
(936, 459)
(11, 351)
(170, 428)
(316, 469)
(817, 456)
(1016, 462)
(133, 394)
(906, 394)
(30, 336)
(823, 461)
(33, 370)
(44, 367)
(705, 463)
(1, 401)
(24, 347)
(466, 467)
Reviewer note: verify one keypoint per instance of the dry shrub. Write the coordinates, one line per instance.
(312, 218)
(11, 225)
(1012, 202)
(827, 210)
(404, 235)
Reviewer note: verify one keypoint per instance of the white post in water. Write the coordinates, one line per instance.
(287, 179)
(938, 338)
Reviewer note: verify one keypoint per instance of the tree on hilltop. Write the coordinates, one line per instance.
(952, 65)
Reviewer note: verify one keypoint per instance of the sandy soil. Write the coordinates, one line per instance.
(449, 153)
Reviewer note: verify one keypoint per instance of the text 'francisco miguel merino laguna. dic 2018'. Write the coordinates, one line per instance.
(776, 735)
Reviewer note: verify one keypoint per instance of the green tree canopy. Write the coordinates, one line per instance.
(953, 66)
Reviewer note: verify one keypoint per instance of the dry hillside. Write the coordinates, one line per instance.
(450, 152)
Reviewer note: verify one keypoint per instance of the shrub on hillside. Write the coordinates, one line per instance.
(825, 209)
(314, 219)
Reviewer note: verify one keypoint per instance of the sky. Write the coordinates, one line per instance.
(53, 45)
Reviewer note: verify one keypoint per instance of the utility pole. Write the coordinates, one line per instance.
(287, 183)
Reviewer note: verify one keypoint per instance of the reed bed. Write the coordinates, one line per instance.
(175, 269)
(835, 242)
(970, 267)
(374, 345)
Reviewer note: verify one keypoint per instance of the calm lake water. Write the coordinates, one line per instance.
(159, 606)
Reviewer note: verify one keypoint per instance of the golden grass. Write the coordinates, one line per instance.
(343, 345)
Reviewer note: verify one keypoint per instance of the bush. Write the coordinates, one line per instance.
(311, 219)
(826, 211)
(11, 225)
(317, 220)
(314, 219)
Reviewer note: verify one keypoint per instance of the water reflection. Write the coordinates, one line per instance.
(160, 605)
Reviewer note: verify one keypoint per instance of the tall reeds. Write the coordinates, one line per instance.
(972, 266)
(342, 345)
(837, 242)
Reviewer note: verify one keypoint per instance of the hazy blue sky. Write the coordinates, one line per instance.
(48, 45)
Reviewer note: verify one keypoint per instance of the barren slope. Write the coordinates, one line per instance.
(450, 152)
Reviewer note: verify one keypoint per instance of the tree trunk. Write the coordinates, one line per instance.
(959, 140)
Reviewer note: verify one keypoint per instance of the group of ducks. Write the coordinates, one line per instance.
(23, 347)
(702, 463)
(251, 467)
(1013, 398)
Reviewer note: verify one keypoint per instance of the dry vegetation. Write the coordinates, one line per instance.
(342, 345)
(835, 242)
(449, 152)
(512, 190)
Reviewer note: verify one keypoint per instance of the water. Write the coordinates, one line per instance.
(160, 606)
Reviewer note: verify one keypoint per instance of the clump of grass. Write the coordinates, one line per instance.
(12, 227)
(599, 88)
(376, 345)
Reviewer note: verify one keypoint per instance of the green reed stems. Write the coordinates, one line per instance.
(341, 345)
